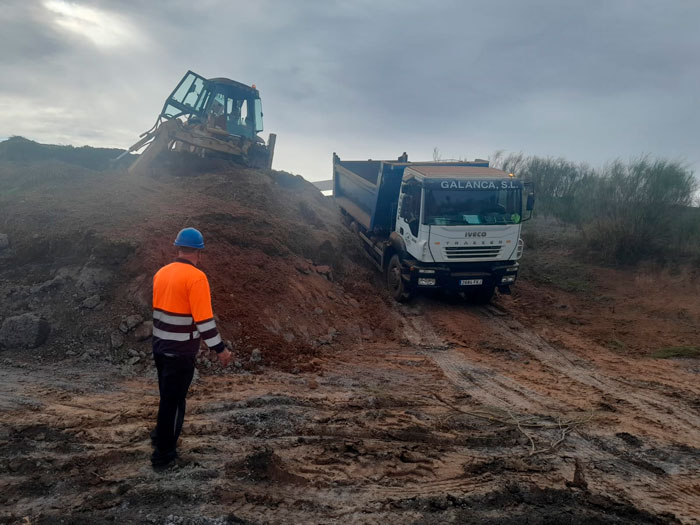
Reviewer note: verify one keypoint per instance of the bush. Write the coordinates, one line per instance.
(24, 151)
(626, 211)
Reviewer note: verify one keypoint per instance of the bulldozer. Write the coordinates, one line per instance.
(208, 117)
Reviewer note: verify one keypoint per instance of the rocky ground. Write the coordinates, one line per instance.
(557, 404)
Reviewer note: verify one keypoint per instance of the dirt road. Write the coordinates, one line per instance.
(472, 417)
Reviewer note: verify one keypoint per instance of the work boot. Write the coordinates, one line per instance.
(161, 460)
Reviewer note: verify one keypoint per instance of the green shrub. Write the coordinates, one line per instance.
(627, 212)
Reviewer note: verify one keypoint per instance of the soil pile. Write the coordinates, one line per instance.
(288, 280)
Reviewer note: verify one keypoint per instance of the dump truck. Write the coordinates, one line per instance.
(452, 226)
(209, 117)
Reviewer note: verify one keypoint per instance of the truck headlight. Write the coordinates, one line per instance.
(426, 281)
(519, 249)
(508, 279)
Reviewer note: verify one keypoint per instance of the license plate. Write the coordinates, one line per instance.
(470, 282)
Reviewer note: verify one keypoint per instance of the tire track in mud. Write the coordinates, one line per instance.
(635, 475)
(483, 384)
(677, 418)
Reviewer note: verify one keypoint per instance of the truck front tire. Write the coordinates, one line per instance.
(394, 281)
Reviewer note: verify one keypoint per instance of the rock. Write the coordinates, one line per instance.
(325, 271)
(4, 241)
(91, 280)
(116, 340)
(318, 311)
(130, 322)
(134, 360)
(71, 353)
(24, 331)
(255, 355)
(46, 286)
(91, 302)
(144, 331)
(303, 267)
(132, 352)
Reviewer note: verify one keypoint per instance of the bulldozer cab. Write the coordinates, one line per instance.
(221, 104)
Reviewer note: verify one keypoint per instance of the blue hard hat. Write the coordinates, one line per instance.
(190, 238)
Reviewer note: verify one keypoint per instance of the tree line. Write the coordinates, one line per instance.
(626, 212)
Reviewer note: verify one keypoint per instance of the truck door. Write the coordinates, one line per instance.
(408, 220)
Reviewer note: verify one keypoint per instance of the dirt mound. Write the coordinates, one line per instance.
(288, 280)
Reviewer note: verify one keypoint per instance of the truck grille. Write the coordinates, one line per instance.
(471, 252)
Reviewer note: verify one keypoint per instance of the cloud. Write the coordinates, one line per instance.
(589, 81)
(104, 29)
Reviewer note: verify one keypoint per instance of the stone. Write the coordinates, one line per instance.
(144, 331)
(116, 340)
(255, 355)
(4, 241)
(130, 322)
(326, 271)
(24, 331)
(91, 302)
(47, 286)
(134, 360)
(91, 280)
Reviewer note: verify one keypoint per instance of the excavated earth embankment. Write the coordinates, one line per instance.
(546, 407)
(83, 247)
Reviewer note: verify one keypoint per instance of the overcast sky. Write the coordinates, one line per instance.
(587, 80)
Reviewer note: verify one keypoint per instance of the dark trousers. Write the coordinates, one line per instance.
(174, 378)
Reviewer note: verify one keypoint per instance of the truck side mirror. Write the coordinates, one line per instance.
(530, 202)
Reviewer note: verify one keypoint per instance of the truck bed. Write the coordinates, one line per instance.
(368, 191)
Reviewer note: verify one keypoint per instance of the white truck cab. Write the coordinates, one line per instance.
(429, 225)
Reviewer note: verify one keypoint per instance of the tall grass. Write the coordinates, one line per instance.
(626, 211)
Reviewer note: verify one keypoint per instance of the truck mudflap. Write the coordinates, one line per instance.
(461, 279)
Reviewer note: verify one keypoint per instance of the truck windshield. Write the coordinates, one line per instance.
(460, 207)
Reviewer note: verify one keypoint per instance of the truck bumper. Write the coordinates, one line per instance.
(463, 277)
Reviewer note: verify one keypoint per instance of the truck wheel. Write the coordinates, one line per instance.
(481, 296)
(394, 281)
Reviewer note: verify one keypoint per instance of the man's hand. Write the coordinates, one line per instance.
(225, 357)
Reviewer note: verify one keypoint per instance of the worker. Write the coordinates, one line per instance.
(217, 117)
(182, 317)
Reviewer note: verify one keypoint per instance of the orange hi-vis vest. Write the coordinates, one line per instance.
(182, 313)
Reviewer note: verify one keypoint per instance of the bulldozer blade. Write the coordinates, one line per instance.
(161, 141)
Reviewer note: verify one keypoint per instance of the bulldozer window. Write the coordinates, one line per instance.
(258, 116)
(189, 90)
(238, 121)
(217, 115)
